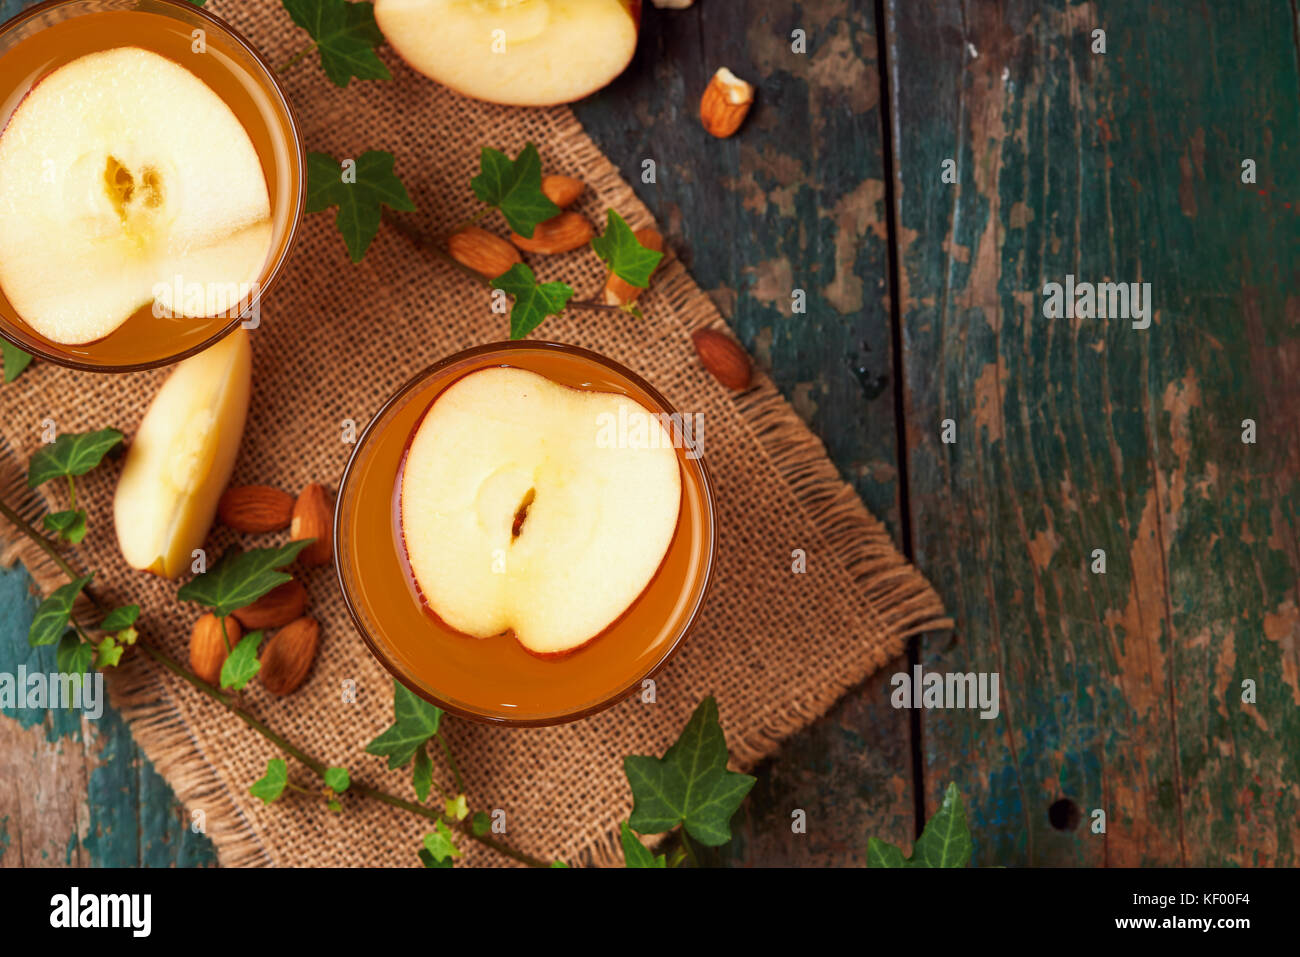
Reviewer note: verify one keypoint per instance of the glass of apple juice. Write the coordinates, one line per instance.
(151, 181)
(525, 532)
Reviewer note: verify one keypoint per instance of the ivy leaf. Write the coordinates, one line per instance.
(346, 35)
(457, 807)
(360, 202)
(428, 859)
(15, 360)
(272, 785)
(120, 618)
(69, 525)
(480, 824)
(515, 188)
(53, 614)
(559, 865)
(337, 779)
(74, 656)
(534, 301)
(74, 453)
(334, 806)
(690, 785)
(240, 578)
(422, 774)
(439, 843)
(415, 721)
(636, 854)
(126, 636)
(624, 254)
(240, 666)
(945, 841)
(108, 653)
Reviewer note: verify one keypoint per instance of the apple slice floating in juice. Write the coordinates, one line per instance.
(120, 174)
(519, 52)
(525, 507)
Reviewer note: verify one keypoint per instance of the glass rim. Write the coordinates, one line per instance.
(399, 674)
(282, 101)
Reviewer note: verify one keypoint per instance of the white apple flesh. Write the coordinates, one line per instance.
(181, 457)
(518, 516)
(120, 172)
(517, 52)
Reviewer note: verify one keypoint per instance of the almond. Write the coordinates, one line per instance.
(255, 508)
(208, 649)
(563, 191)
(723, 357)
(288, 656)
(312, 518)
(277, 607)
(619, 292)
(485, 253)
(725, 103)
(560, 234)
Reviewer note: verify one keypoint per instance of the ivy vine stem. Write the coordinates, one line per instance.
(286, 746)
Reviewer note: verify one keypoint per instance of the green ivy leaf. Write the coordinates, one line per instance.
(690, 785)
(533, 301)
(241, 665)
(69, 525)
(74, 453)
(428, 860)
(636, 854)
(337, 779)
(415, 721)
(559, 865)
(480, 823)
(108, 653)
(240, 578)
(53, 614)
(360, 204)
(515, 188)
(346, 36)
(120, 618)
(422, 774)
(126, 637)
(74, 656)
(457, 807)
(945, 841)
(439, 843)
(624, 254)
(272, 785)
(15, 360)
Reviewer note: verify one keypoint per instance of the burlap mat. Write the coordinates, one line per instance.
(776, 648)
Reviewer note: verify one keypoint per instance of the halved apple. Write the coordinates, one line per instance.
(181, 458)
(518, 52)
(120, 173)
(522, 510)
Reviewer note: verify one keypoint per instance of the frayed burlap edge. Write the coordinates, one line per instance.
(141, 694)
(901, 601)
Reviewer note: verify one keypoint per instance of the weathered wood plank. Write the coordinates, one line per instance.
(794, 200)
(1121, 691)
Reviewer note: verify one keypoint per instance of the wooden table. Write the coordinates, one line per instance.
(1121, 692)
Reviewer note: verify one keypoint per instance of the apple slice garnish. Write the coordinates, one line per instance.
(518, 52)
(121, 173)
(181, 458)
(526, 507)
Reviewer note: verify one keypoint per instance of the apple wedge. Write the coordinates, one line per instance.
(120, 174)
(518, 52)
(181, 458)
(519, 514)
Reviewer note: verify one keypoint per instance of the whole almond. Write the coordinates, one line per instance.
(288, 656)
(208, 650)
(563, 191)
(723, 357)
(484, 252)
(725, 103)
(277, 607)
(255, 508)
(619, 292)
(313, 518)
(559, 234)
